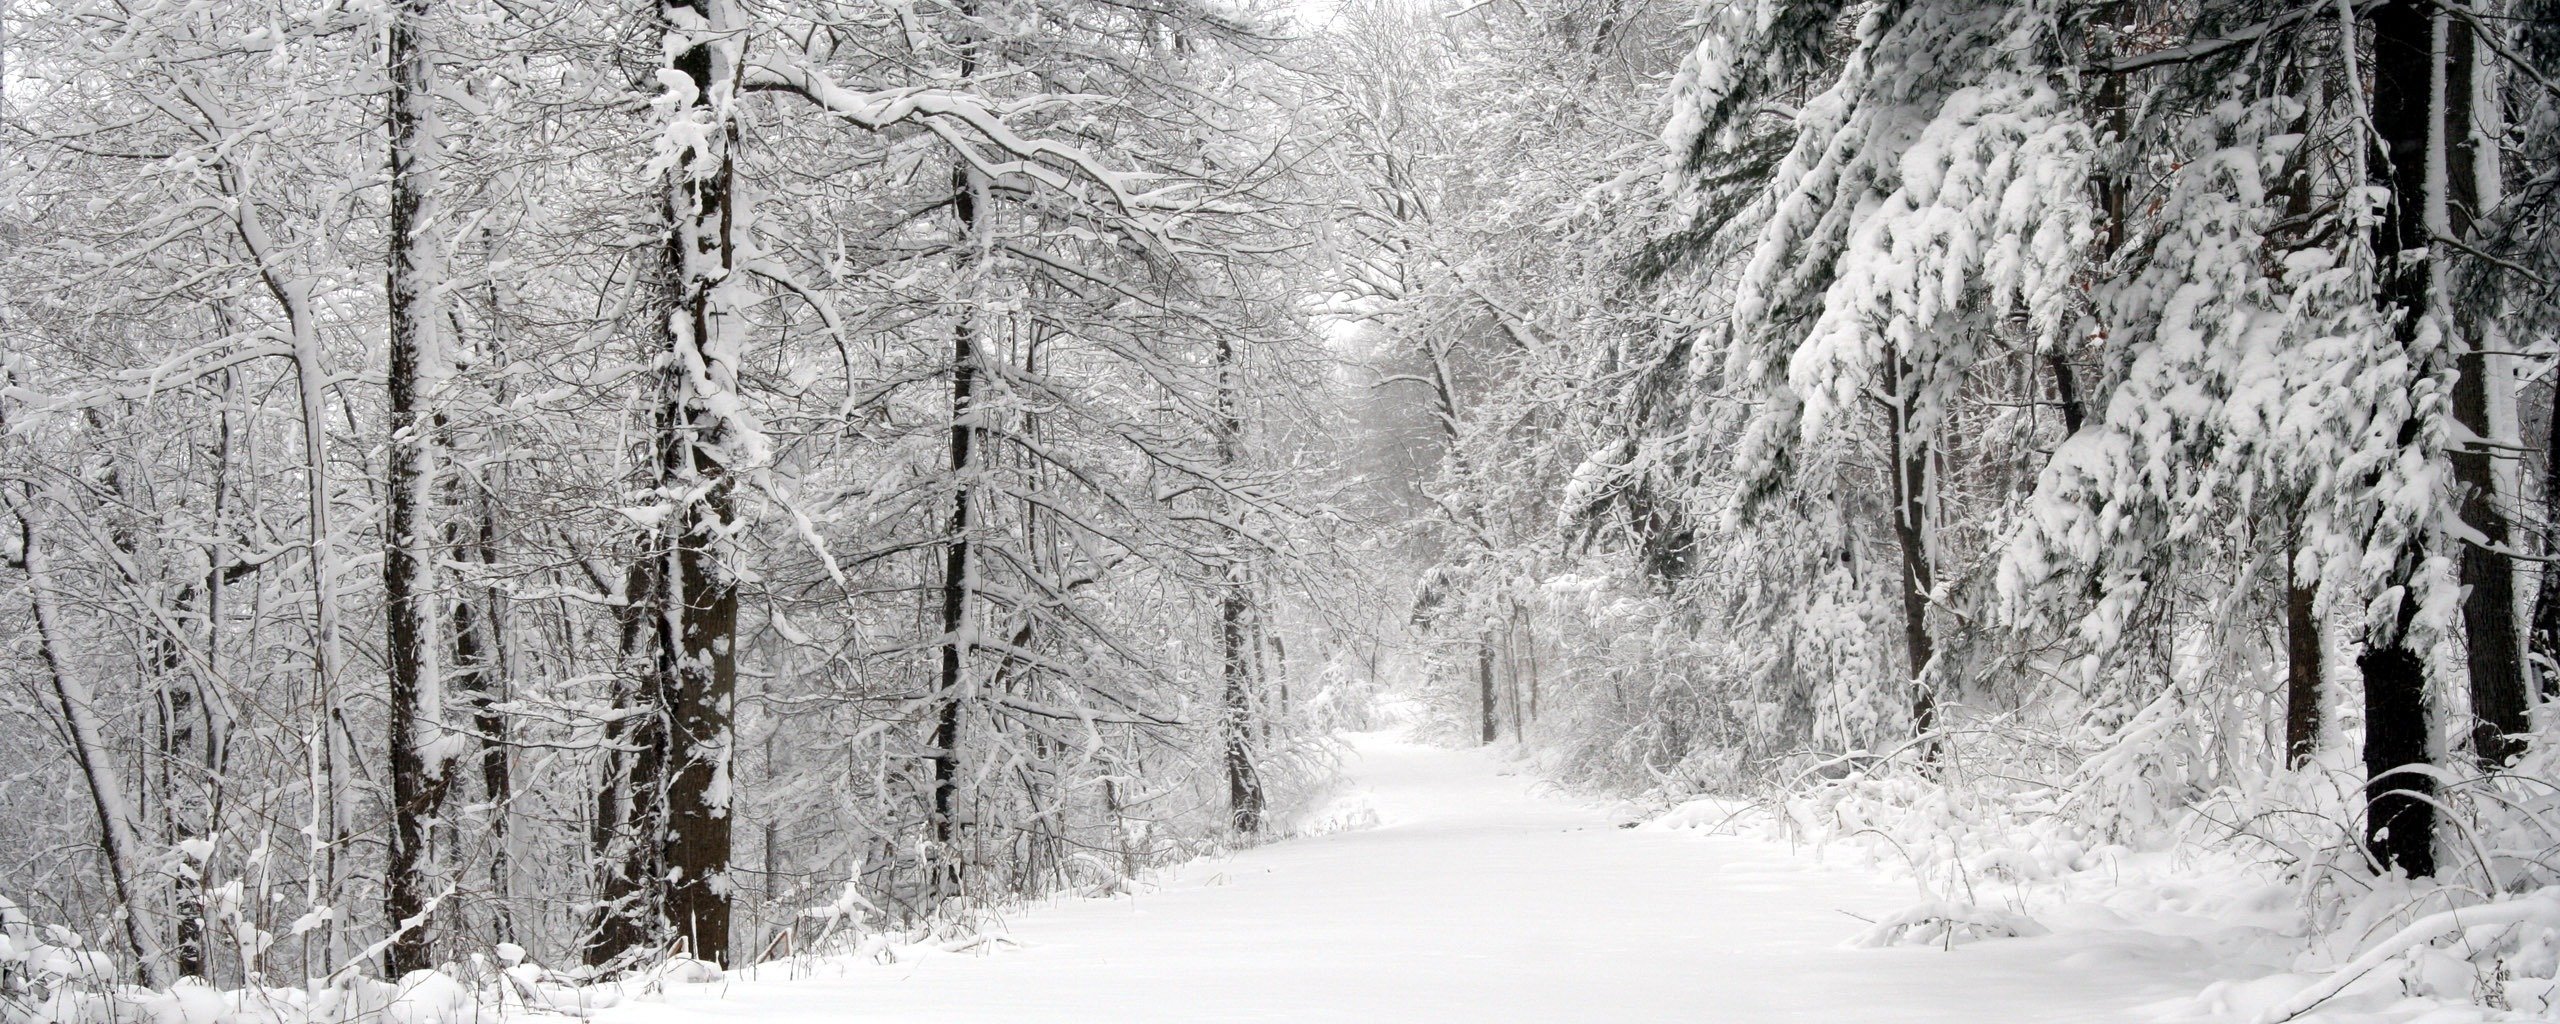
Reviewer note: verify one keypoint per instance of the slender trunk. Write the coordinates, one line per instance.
(1529, 627)
(205, 822)
(2306, 661)
(186, 817)
(418, 771)
(1511, 662)
(2107, 187)
(946, 869)
(2303, 665)
(480, 620)
(1908, 460)
(1237, 644)
(1491, 712)
(329, 828)
(107, 793)
(477, 649)
(629, 917)
(1275, 667)
(176, 706)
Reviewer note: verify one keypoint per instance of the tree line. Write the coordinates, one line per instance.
(608, 476)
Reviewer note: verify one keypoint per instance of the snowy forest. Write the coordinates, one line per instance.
(589, 507)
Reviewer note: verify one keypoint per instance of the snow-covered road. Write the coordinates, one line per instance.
(1474, 900)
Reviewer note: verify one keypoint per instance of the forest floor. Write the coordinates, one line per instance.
(1475, 898)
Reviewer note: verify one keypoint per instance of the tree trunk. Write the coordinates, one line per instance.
(188, 817)
(2399, 813)
(2546, 601)
(1244, 784)
(702, 443)
(2499, 706)
(629, 918)
(418, 775)
(2302, 666)
(107, 792)
(947, 876)
(1484, 688)
(477, 673)
(1238, 646)
(1908, 458)
(179, 711)
(480, 623)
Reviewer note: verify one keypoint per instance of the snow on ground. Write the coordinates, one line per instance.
(1474, 898)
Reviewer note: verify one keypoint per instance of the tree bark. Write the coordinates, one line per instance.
(1239, 647)
(694, 595)
(629, 815)
(2499, 706)
(947, 873)
(2399, 812)
(1244, 783)
(418, 775)
(2303, 666)
(2546, 601)
(477, 650)
(1908, 459)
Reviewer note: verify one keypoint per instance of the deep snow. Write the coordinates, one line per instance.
(1474, 898)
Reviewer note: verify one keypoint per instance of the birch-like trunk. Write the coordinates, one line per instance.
(2482, 399)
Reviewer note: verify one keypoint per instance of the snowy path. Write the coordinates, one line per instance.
(1473, 901)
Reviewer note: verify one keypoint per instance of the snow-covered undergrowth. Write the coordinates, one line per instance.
(50, 975)
(2155, 848)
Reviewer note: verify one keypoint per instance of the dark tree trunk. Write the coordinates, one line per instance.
(1529, 630)
(628, 919)
(2400, 819)
(678, 807)
(1908, 458)
(2302, 667)
(1484, 689)
(2305, 652)
(418, 785)
(947, 877)
(180, 711)
(186, 816)
(478, 672)
(2400, 813)
(699, 675)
